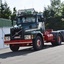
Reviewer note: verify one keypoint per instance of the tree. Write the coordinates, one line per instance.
(55, 6)
(53, 14)
(13, 16)
(62, 9)
(5, 11)
(54, 9)
(46, 13)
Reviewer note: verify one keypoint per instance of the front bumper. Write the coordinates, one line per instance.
(28, 41)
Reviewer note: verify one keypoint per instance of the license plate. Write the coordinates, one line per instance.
(17, 37)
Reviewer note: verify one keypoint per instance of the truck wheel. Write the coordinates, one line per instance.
(38, 43)
(58, 41)
(14, 47)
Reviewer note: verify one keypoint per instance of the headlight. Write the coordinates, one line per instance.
(7, 38)
(27, 36)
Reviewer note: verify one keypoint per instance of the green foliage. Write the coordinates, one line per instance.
(55, 3)
(55, 23)
(53, 14)
(5, 11)
(48, 13)
(13, 16)
(62, 9)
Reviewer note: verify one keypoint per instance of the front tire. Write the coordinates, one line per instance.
(38, 43)
(14, 47)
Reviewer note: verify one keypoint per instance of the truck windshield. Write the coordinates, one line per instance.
(25, 20)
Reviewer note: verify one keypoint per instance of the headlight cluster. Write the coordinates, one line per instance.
(28, 36)
(7, 38)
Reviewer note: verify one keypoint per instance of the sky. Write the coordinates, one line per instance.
(38, 5)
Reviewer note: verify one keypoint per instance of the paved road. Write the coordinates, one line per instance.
(48, 55)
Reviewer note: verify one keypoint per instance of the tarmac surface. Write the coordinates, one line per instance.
(26, 55)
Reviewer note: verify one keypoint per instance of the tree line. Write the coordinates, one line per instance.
(5, 11)
(53, 14)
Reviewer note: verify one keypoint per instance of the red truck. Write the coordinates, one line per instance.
(30, 31)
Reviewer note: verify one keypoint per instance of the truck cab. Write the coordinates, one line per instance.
(26, 24)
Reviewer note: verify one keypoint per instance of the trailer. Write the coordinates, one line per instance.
(30, 31)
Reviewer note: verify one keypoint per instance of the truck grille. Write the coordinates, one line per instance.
(16, 33)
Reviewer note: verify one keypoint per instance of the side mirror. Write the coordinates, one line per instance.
(41, 20)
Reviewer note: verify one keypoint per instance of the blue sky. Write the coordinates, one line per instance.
(38, 5)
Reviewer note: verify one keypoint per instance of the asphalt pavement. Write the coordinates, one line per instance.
(49, 55)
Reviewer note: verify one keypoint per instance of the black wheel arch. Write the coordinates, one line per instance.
(38, 34)
(56, 33)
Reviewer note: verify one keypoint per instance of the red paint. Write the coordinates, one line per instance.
(48, 37)
(18, 42)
